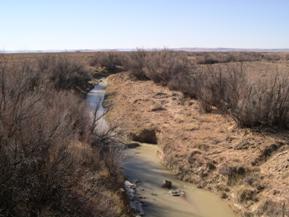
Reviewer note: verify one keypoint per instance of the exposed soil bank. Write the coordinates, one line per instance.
(248, 169)
(144, 165)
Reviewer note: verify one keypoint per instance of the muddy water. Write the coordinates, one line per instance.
(142, 164)
(95, 100)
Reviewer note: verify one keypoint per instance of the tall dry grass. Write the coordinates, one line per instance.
(225, 87)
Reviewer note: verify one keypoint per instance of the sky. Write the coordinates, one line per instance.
(129, 24)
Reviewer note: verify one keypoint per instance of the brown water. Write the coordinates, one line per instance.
(143, 164)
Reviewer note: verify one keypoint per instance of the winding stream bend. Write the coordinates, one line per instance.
(143, 165)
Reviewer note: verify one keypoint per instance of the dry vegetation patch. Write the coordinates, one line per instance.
(52, 163)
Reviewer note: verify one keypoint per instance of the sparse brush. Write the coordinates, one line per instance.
(223, 87)
(136, 63)
(64, 73)
(111, 61)
(163, 66)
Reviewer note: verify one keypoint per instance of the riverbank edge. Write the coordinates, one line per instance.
(125, 207)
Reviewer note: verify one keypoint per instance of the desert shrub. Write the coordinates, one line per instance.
(48, 155)
(187, 82)
(159, 66)
(64, 73)
(111, 61)
(163, 66)
(36, 128)
(225, 87)
(209, 58)
(221, 87)
(136, 63)
(246, 195)
(272, 56)
(265, 103)
(233, 173)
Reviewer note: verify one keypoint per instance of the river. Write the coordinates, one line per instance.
(142, 166)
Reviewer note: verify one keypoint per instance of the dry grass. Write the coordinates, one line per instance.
(111, 61)
(226, 87)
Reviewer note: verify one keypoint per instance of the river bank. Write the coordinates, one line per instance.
(246, 168)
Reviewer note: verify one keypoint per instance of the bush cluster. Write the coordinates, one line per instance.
(51, 162)
(224, 87)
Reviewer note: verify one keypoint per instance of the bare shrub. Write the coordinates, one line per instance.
(163, 66)
(46, 162)
(209, 58)
(186, 81)
(111, 61)
(35, 133)
(159, 66)
(64, 73)
(225, 87)
(265, 103)
(136, 63)
(221, 87)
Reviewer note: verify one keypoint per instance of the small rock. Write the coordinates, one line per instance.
(176, 193)
(224, 195)
(132, 145)
(167, 184)
(160, 95)
(156, 107)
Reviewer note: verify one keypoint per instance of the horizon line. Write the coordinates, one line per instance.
(188, 49)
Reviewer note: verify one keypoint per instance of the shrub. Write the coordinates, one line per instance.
(163, 66)
(265, 104)
(136, 63)
(111, 61)
(159, 66)
(46, 160)
(186, 81)
(64, 73)
(221, 87)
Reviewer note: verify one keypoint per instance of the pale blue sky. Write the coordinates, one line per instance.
(100, 24)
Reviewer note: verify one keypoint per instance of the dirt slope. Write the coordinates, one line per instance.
(249, 169)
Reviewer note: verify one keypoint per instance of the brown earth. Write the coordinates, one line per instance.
(247, 168)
